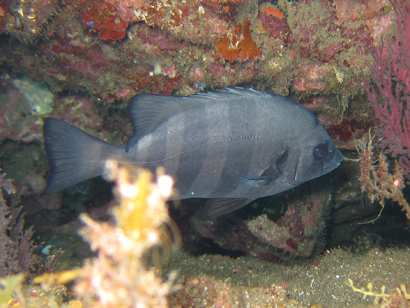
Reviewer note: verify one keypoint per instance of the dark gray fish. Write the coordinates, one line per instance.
(231, 145)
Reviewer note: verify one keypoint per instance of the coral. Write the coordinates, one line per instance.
(393, 84)
(381, 26)
(273, 22)
(19, 121)
(342, 131)
(298, 230)
(273, 229)
(155, 39)
(311, 77)
(348, 130)
(164, 13)
(196, 44)
(9, 285)
(364, 20)
(376, 179)
(27, 20)
(107, 20)
(358, 10)
(309, 20)
(197, 21)
(274, 12)
(118, 277)
(37, 95)
(33, 296)
(16, 249)
(238, 45)
(399, 298)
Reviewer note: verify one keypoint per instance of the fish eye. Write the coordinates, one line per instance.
(320, 151)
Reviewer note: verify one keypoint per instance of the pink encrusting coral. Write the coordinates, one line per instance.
(391, 72)
(300, 228)
(107, 48)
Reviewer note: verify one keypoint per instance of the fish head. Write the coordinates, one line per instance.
(311, 155)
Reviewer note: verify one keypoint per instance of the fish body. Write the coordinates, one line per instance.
(231, 145)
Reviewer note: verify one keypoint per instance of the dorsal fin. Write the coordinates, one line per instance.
(148, 111)
(226, 93)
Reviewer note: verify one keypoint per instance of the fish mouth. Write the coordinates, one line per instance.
(338, 158)
(331, 166)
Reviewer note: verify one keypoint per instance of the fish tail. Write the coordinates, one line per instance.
(73, 155)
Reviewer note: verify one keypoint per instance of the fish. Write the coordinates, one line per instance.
(231, 146)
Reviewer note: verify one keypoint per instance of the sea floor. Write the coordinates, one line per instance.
(323, 282)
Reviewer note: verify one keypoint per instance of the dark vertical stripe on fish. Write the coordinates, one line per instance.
(188, 174)
(227, 183)
(260, 157)
(211, 165)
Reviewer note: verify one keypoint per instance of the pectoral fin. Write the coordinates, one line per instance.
(255, 181)
(217, 207)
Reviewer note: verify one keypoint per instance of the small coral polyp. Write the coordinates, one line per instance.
(107, 20)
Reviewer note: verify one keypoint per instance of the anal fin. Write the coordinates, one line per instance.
(217, 207)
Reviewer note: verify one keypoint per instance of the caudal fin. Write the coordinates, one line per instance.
(74, 156)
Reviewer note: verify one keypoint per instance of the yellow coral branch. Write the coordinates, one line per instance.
(369, 291)
(400, 292)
